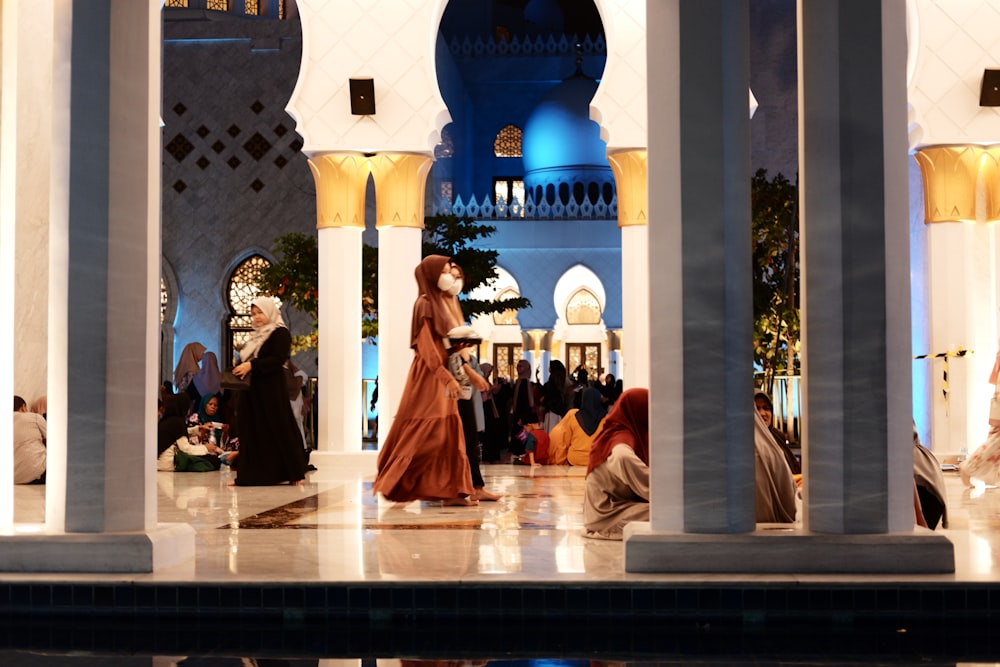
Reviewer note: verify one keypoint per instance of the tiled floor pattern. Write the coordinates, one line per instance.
(332, 551)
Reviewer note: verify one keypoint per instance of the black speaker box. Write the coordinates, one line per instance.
(363, 97)
(989, 96)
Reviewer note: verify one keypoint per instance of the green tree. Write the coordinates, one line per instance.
(775, 275)
(453, 236)
(294, 277)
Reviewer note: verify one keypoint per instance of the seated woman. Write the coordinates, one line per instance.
(212, 427)
(777, 495)
(762, 402)
(570, 440)
(617, 488)
(174, 447)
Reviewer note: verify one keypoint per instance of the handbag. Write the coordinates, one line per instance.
(230, 381)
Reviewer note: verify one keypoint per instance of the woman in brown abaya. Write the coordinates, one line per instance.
(423, 457)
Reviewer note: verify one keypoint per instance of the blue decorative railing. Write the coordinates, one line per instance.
(474, 47)
(487, 210)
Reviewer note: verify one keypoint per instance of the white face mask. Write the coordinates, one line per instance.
(455, 288)
(446, 282)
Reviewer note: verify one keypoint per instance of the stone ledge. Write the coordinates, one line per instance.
(788, 551)
(140, 551)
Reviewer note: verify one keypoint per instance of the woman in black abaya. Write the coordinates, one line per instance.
(270, 444)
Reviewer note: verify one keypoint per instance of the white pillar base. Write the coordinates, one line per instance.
(787, 550)
(166, 545)
(340, 465)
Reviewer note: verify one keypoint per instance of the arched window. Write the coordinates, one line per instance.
(164, 299)
(446, 148)
(508, 316)
(242, 290)
(583, 308)
(508, 142)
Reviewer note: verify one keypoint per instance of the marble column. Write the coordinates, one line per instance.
(858, 465)
(32, 144)
(631, 183)
(961, 271)
(103, 300)
(853, 152)
(400, 179)
(341, 179)
(9, 58)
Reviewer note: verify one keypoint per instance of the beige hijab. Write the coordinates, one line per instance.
(187, 365)
(776, 490)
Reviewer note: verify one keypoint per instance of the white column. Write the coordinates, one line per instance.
(33, 143)
(340, 417)
(631, 180)
(962, 275)
(340, 218)
(9, 31)
(398, 257)
(858, 464)
(855, 265)
(699, 260)
(103, 300)
(637, 366)
(400, 179)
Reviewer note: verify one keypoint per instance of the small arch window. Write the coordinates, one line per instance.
(508, 316)
(508, 142)
(446, 148)
(583, 308)
(243, 288)
(164, 299)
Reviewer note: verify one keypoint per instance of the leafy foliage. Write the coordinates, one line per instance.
(452, 236)
(294, 279)
(775, 275)
(295, 276)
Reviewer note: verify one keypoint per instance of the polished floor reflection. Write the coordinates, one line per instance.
(334, 530)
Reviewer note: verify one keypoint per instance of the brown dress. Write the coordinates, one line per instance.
(423, 457)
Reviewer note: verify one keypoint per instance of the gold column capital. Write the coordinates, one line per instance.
(632, 186)
(956, 177)
(341, 179)
(400, 179)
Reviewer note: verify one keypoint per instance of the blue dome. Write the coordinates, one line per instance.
(544, 15)
(561, 146)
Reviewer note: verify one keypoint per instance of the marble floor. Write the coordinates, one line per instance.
(333, 530)
(327, 569)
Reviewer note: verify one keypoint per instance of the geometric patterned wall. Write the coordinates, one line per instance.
(234, 177)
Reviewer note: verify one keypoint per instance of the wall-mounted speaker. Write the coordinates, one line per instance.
(989, 95)
(363, 97)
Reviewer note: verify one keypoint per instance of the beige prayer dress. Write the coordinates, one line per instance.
(617, 493)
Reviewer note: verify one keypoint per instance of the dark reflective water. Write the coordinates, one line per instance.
(82, 642)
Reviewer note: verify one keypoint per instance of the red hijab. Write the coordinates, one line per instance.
(626, 424)
(433, 304)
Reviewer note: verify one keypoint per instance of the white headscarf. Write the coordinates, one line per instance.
(260, 334)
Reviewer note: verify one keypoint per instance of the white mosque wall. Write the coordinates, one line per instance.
(338, 46)
(619, 105)
(953, 265)
(234, 177)
(957, 40)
